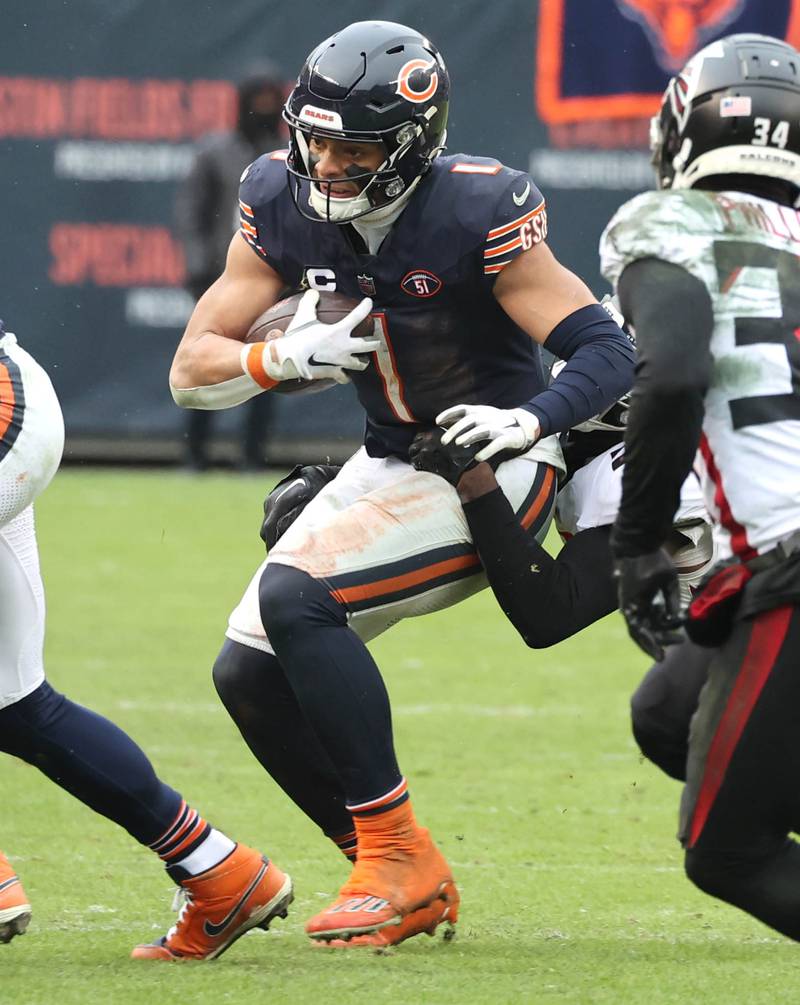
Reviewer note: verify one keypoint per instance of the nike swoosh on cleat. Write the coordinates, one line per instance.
(519, 199)
(213, 930)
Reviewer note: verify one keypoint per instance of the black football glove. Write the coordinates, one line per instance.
(649, 598)
(428, 453)
(291, 495)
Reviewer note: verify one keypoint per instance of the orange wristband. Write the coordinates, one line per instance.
(253, 363)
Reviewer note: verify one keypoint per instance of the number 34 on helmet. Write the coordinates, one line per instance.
(732, 110)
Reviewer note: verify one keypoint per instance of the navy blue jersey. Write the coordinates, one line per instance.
(447, 340)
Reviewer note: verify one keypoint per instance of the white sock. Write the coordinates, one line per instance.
(211, 852)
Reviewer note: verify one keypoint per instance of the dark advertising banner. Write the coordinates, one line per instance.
(101, 106)
(600, 69)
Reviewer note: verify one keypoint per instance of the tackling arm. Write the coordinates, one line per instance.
(546, 599)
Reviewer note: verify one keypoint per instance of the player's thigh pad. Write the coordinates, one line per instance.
(31, 429)
(741, 788)
(21, 610)
(390, 542)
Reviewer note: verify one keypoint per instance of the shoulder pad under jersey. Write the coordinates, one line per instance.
(502, 207)
(262, 200)
(674, 226)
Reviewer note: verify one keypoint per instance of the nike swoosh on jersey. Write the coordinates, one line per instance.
(213, 930)
(519, 199)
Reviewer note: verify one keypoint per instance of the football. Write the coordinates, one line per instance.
(273, 323)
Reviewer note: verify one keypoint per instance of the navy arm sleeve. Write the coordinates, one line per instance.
(599, 370)
(546, 599)
(672, 314)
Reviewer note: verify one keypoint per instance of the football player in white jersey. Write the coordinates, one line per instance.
(230, 888)
(707, 269)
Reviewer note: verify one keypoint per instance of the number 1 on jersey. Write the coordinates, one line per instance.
(387, 368)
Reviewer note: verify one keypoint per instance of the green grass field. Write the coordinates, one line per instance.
(521, 763)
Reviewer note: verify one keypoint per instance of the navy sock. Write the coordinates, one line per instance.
(337, 683)
(91, 758)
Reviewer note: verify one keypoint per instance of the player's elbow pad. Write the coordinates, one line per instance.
(215, 396)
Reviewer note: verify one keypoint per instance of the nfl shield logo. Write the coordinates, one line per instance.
(367, 285)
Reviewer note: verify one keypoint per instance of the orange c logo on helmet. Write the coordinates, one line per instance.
(405, 89)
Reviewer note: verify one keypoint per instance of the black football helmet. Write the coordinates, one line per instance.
(732, 110)
(372, 82)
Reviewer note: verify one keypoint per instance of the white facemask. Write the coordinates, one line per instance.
(344, 210)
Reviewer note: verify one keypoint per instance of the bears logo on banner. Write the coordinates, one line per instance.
(680, 27)
(601, 67)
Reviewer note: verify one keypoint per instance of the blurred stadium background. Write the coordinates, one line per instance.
(100, 105)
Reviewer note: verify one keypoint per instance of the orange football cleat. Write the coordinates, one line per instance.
(244, 891)
(444, 909)
(399, 890)
(15, 911)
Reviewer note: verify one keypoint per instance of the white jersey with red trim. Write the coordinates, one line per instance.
(591, 498)
(746, 251)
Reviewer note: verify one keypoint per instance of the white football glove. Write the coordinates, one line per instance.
(511, 429)
(312, 350)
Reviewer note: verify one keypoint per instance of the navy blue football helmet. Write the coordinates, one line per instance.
(372, 82)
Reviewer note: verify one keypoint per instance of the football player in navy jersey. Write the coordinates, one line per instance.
(463, 291)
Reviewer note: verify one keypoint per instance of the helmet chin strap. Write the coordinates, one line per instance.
(337, 210)
(356, 209)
